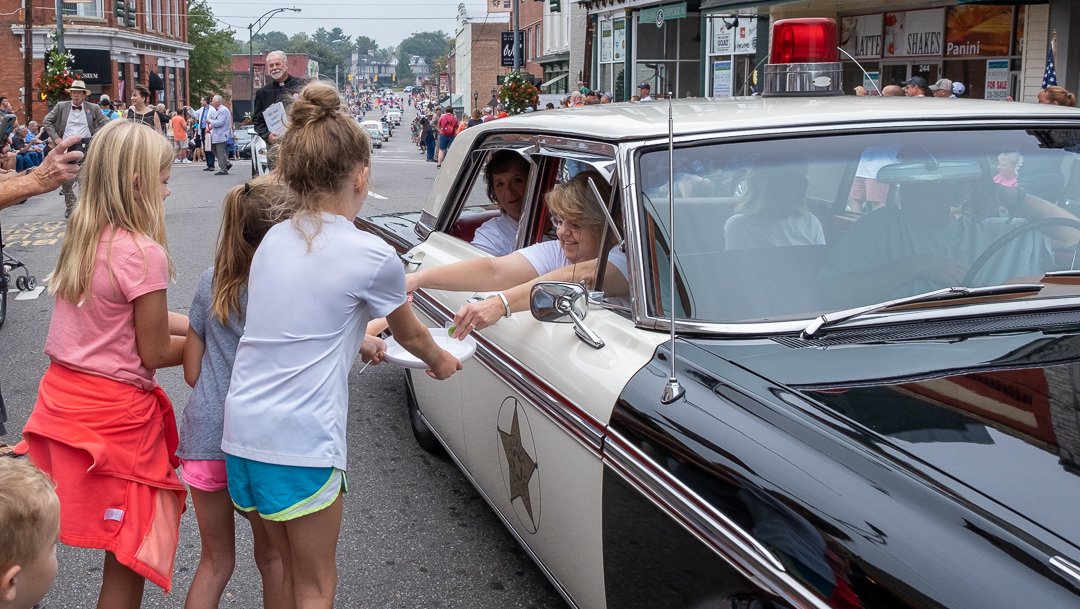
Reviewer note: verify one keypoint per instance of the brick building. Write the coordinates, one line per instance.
(475, 63)
(115, 43)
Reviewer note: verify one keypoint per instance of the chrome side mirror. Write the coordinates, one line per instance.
(558, 302)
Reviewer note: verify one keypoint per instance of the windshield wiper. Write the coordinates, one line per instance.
(836, 317)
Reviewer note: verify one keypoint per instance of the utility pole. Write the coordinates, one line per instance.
(28, 60)
(517, 32)
(60, 25)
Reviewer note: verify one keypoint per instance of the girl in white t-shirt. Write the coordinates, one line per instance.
(579, 224)
(506, 174)
(286, 410)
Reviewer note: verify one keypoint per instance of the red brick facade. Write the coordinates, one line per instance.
(114, 55)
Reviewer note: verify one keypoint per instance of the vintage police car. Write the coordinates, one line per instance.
(868, 396)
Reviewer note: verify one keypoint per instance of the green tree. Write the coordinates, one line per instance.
(428, 45)
(270, 41)
(208, 64)
(365, 45)
(403, 70)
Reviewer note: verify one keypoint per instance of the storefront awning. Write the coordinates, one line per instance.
(554, 80)
(733, 4)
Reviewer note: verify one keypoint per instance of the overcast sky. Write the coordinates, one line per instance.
(387, 21)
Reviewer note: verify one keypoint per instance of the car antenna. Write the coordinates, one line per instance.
(673, 390)
(860, 66)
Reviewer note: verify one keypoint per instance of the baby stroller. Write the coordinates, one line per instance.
(24, 282)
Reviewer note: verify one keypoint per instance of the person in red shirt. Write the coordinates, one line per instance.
(448, 126)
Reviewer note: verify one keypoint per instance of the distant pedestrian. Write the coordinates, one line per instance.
(448, 125)
(163, 118)
(916, 86)
(221, 126)
(217, 315)
(474, 119)
(1057, 96)
(178, 136)
(141, 113)
(70, 118)
(428, 134)
(102, 428)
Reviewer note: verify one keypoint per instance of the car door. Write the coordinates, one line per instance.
(535, 405)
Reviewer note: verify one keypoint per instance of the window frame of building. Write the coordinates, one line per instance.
(83, 10)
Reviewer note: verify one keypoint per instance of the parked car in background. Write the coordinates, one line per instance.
(244, 136)
(831, 362)
(376, 136)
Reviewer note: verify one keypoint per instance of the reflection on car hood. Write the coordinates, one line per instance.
(996, 416)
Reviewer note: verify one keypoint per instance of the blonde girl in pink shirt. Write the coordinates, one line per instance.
(101, 427)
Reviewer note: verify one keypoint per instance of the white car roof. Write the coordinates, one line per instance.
(636, 121)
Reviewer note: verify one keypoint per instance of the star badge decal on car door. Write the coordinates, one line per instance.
(520, 469)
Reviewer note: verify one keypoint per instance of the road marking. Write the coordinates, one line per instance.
(376, 195)
(33, 234)
(32, 294)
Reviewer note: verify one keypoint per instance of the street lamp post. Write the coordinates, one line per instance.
(255, 28)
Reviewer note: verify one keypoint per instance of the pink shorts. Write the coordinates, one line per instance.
(206, 475)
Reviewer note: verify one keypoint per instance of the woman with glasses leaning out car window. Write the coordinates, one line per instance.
(579, 225)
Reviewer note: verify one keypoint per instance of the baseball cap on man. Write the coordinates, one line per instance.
(645, 85)
(943, 84)
(918, 81)
(958, 88)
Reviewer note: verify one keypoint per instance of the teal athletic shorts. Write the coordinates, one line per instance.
(282, 492)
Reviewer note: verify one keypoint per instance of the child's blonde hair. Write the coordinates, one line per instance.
(29, 511)
(247, 213)
(119, 186)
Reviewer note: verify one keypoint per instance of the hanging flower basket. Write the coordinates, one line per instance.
(58, 75)
(518, 92)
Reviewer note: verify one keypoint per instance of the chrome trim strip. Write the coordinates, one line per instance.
(556, 406)
(1067, 568)
(729, 541)
(506, 523)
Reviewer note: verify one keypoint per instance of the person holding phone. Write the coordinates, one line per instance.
(77, 117)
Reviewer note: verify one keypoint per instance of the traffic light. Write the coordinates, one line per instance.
(121, 12)
(131, 13)
(556, 7)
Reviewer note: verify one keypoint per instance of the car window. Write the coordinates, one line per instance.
(480, 210)
(784, 229)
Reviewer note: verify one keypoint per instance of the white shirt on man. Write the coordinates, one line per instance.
(76, 123)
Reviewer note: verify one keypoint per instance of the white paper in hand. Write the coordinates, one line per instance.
(275, 118)
(461, 349)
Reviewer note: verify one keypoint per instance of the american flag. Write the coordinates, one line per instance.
(1049, 75)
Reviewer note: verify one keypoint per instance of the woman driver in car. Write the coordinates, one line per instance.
(579, 224)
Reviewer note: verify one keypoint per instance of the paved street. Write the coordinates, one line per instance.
(415, 533)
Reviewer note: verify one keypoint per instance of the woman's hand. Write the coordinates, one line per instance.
(477, 316)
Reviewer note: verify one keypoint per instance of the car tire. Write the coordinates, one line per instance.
(423, 434)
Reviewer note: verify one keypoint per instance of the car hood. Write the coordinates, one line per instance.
(993, 419)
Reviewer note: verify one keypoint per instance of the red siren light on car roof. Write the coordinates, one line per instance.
(804, 41)
(804, 59)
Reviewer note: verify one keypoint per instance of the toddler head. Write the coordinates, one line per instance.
(30, 512)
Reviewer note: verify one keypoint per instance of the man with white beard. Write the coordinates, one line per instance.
(281, 88)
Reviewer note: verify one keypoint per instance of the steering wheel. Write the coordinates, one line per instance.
(1010, 236)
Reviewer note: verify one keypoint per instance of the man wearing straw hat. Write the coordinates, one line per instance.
(77, 117)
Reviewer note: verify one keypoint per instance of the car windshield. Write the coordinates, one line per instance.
(789, 229)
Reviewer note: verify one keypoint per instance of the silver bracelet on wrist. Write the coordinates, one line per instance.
(506, 304)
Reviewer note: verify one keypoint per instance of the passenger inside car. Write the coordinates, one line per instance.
(580, 227)
(774, 211)
(506, 176)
